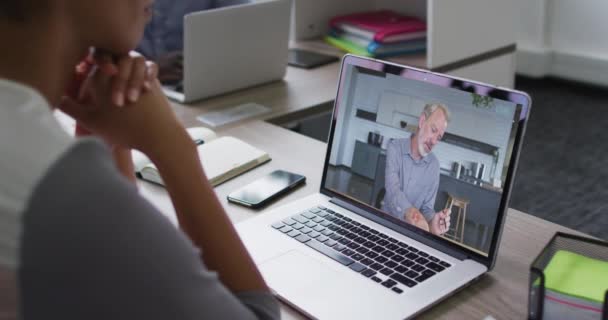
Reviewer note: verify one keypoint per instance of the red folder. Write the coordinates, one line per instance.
(381, 26)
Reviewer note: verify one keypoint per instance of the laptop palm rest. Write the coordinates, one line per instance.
(317, 274)
(309, 281)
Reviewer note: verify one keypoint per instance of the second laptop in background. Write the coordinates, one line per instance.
(232, 48)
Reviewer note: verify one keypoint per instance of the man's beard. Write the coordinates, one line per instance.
(421, 149)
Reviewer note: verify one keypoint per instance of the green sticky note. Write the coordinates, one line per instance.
(577, 275)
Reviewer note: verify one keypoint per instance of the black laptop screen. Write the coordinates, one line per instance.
(425, 149)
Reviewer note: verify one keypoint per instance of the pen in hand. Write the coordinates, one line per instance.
(442, 222)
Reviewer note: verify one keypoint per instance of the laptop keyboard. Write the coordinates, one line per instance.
(364, 250)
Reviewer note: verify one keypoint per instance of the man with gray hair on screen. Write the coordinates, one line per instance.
(412, 173)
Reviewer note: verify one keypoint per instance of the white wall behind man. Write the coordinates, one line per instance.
(564, 38)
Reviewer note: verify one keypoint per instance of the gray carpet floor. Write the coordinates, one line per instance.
(563, 171)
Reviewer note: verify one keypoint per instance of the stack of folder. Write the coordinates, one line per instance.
(381, 33)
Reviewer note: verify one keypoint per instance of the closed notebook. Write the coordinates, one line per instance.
(383, 50)
(383, 25)
(375, 49)
(365, 42)
(347, 46)
(222, 159)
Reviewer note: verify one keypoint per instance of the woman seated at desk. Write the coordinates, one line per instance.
(77, 241)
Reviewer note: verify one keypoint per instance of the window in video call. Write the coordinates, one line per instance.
(434, 156)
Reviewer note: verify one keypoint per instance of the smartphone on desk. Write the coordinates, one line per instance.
(260, 192)
(308, 59)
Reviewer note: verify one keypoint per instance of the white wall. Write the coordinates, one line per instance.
(579, 27)
(465, 28)
(312, 16)
(563, 38)
(491, 71)
(531, 26)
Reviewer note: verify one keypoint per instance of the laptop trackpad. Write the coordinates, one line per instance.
(318, 289)
(299, 277)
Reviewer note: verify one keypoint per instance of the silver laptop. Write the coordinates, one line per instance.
(411, 206)
(232, 48)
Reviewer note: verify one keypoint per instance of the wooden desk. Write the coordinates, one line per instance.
(502, 293)
(288, 150)
(297, 95)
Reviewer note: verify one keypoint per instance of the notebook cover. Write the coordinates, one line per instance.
(227, 157)
(400, 47)
(376, 49)
(355, 39)
(369, 42)
(222, 159)
(347, 46)
(383, 23)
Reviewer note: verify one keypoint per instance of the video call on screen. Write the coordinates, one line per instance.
(384, 156)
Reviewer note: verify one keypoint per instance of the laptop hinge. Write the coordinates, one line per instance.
(402, 230)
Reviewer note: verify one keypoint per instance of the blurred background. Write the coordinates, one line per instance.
(561, 60)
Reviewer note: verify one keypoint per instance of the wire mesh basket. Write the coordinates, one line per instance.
(545, 302)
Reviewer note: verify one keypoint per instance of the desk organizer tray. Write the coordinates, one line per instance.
(569, 280)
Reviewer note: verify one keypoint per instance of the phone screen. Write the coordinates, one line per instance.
(264, 189)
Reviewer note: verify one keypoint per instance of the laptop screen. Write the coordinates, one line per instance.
(425, 150)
